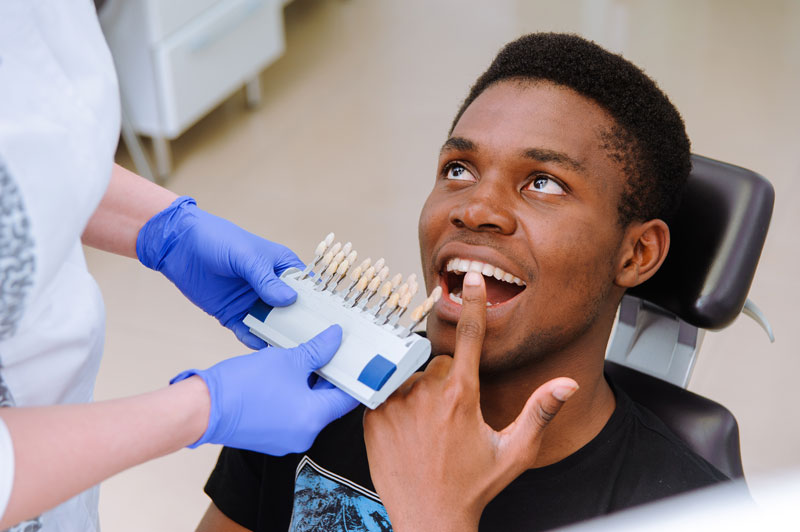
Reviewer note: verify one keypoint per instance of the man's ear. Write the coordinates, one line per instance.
(644, 248)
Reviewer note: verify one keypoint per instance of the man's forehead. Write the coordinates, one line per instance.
(540, 154)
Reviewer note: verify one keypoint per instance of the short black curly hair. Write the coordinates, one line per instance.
(650, 138)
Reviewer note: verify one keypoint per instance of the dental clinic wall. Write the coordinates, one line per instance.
(346, 140)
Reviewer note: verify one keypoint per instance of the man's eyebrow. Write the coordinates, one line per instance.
(460, 144)
(551, 156)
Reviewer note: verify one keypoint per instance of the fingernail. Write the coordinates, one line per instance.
(285, 293)
(564, 392)
(472, 279)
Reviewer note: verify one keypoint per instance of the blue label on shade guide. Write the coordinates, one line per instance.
(377, 372)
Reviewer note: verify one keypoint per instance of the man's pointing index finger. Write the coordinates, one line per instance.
(471, 328)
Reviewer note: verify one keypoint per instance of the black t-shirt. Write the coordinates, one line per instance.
(633, 460)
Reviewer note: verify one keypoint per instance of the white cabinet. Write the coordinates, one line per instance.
(178, 59)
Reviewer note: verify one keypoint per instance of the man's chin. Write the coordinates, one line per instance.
(495, 358)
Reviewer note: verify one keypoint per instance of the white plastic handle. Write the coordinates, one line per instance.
(750, 309)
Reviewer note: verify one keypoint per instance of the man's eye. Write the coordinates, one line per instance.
(546, 185)
(457, 172)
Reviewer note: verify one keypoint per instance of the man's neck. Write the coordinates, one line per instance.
(581, 418)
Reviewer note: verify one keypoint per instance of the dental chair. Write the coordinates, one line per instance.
(717, 237)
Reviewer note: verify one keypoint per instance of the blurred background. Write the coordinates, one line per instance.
(327, 115)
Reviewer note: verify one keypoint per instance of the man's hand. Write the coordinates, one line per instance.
(433, 459)
(219, 266)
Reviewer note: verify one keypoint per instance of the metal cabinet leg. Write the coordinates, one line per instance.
(134, 146)
(252, 90)
(163, 158)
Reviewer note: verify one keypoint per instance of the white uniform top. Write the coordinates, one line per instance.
(59, 126)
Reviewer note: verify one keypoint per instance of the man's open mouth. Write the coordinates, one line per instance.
(501, 286)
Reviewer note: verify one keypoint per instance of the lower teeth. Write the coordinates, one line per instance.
(458, 300)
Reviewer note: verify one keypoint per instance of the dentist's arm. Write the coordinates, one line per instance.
(60, 451)
(129, 202)
(219, 266)
(261, 402)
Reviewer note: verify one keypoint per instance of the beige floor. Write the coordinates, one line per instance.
(346, 140)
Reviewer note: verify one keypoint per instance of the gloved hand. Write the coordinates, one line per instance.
(262, 401)
(219, 266)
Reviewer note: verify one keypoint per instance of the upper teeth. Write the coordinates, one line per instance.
(488, 270)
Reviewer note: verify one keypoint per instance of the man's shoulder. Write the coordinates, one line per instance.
(656, 452)
(635, 459)
(340, 447)
(263, 492)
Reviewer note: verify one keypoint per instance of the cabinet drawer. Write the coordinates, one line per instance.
(201, 64)
(167, 16)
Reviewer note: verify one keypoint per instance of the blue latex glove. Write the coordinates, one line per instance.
(262, 401)
(219, 266)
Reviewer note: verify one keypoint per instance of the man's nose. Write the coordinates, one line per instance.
(485, 207)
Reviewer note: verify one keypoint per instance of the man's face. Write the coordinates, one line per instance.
(524, 185)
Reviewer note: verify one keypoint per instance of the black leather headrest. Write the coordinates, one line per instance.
(716, 240)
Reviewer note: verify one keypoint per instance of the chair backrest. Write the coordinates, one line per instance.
(707, 427)
(716, 240)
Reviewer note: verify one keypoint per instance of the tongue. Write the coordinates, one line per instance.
(500, 291)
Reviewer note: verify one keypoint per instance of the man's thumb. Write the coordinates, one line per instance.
(542, 406)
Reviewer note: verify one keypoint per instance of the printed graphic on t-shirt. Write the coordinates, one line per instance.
(325, 501)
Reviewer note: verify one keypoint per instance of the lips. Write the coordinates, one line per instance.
(501, 286)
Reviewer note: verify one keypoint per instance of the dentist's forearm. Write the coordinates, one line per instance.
(129, 202)
(62, 450)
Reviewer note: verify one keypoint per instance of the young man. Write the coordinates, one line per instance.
(560, 169)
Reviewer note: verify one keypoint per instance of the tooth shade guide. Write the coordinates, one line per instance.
(436, 294)
(336, 261)
(324, 302)
(402, 289)
(369, 273)
(331, 269)
(355, 274)
(365, 296)
(383, 293)
(366, 264)
(394, 299)
(404, 300)
(374, 284)
(386, 289)
(391, 307)
(413, 288)
(358, 291)
(396, 280)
